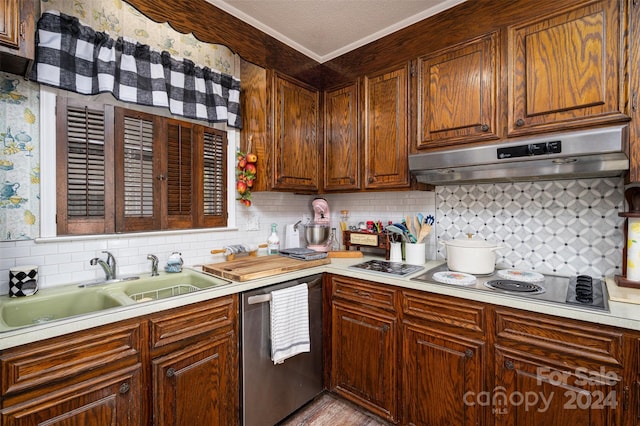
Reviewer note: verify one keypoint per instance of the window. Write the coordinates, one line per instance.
(121, 170)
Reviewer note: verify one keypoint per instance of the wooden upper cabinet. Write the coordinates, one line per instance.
(457, 94)
(296, 135)
(17, 34)
(341, 143)
(566, 70)
(386, 145)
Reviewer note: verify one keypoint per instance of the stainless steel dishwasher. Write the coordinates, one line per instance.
(271, 392)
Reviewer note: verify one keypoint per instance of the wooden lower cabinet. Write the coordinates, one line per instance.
(551, 370)
(418, 358)
(443, 360)
(196, 385)
(442, 377)
(364, 333)
(112, 399)
(177, 367)
(533, 391)
(364, 358)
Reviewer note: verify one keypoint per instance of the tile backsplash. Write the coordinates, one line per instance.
(563, 227)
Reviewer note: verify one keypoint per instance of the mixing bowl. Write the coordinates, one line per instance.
(317, 235)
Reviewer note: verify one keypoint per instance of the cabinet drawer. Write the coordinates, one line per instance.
(188, 322)
(374, 295)
(444, 310)
(558, 337)
(69, 356)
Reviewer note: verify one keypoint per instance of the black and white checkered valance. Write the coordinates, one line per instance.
(74, 57)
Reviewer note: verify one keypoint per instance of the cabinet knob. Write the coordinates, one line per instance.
(520, 122)
(485, 127)
(161, 177)
(468, 353)
(371, 180)
(171, 372)
(509, 365)
(124, 388)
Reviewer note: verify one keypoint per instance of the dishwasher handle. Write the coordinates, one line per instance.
(262, 298)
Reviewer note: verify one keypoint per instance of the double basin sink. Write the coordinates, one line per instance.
(56, 303)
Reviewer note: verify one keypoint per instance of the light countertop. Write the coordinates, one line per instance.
(623, 304)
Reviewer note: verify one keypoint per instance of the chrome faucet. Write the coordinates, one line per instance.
(109, 266)
(154, 264)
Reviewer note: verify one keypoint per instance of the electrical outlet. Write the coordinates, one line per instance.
(253, 223)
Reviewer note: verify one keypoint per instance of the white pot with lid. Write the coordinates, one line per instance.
(471, 256)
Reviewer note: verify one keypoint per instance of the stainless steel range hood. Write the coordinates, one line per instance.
(578, 154)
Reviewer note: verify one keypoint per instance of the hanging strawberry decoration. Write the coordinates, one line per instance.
(246, 173)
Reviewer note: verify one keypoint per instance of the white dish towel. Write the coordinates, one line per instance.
(289, 322)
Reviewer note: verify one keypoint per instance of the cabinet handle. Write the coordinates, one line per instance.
(161, 177)
(23, 30)
(637, 400)
(634, 102)
(171, 372)
(124, 388)
(485, 127)
(363, 293)
(509, 365)
(520, 122)
(468, 353)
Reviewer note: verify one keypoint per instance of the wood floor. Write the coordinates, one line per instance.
(328, 410)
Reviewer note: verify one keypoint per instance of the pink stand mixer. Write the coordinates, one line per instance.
(318, 233)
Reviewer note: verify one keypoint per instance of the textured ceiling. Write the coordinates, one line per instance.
(325, 29)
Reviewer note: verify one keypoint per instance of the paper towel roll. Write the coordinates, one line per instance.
(633, 249)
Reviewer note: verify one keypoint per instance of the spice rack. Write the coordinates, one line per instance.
(371, 240)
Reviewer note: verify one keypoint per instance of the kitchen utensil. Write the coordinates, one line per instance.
(316, 235)
(407, 234)
(417, 226)
(397, 230)
(472, 256)
(238, 250)
(425, 230)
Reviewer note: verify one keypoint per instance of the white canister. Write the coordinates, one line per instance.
(395, 252)
(23, 281)
(415, 253)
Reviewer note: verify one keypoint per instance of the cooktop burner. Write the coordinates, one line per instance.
(388, 268)
(514, 286)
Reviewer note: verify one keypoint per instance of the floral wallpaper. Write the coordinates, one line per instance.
(117, 18)
(20, 104)
(19, 158)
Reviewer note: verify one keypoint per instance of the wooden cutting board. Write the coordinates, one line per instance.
(251, 268)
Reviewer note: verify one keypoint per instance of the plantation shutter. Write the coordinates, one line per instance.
(179, 174)
(85, 159)
(214, 178)
(136, 158)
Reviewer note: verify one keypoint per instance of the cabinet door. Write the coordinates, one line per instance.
(341, 145)
(111, 399)
(535, 391)
(440, 373)
(386, 144)
(296, 141)
(17, 34)
(457, 94)
(363, 351)
(197, 385)
(566, 70)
